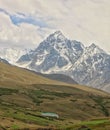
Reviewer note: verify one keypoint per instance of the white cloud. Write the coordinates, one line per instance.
(84, 20)
(24, 35)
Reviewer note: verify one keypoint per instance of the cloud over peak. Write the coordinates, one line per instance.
(28, 22)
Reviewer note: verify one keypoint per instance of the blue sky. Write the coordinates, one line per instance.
(19, 18)
(28, 22)
(16, 19)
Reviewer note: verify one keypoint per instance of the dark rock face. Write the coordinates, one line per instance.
(57, 54)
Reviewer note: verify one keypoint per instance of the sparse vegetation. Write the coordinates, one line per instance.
(15, 127)
(102, 103)
(24, 96)
(40, 94)
(7, 91)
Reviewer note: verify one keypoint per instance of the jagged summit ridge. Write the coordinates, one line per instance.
(56, 34)
(54, 54)
(57, 54)
(95, 49)
(56, 37)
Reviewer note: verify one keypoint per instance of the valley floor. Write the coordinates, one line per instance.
(21, 109)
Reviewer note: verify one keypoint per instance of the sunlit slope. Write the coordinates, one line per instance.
(24, 95)
(12, 76)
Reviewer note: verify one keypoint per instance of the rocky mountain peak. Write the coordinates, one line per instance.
(58, 32)
(94, 49)
(93, 45)
(57, 54)
(56, 36)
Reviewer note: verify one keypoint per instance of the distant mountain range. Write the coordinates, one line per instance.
(59, 55)
(4, 61)
(12, 54)
(59, 77)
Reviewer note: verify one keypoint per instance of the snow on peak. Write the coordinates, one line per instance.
(12, 54)
(57, 32)
(91, 55)
(56, 36)
(93, 45)
(94, 49)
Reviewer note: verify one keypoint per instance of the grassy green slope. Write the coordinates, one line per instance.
(25, 95)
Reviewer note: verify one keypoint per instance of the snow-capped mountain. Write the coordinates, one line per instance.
(92, 68)
(12, 54)
(4, 61)
(57, 54)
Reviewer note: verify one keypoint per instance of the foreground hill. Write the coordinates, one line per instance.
(12, 76)
(24, 96)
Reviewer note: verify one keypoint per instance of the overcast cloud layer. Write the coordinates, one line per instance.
(25, 23)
